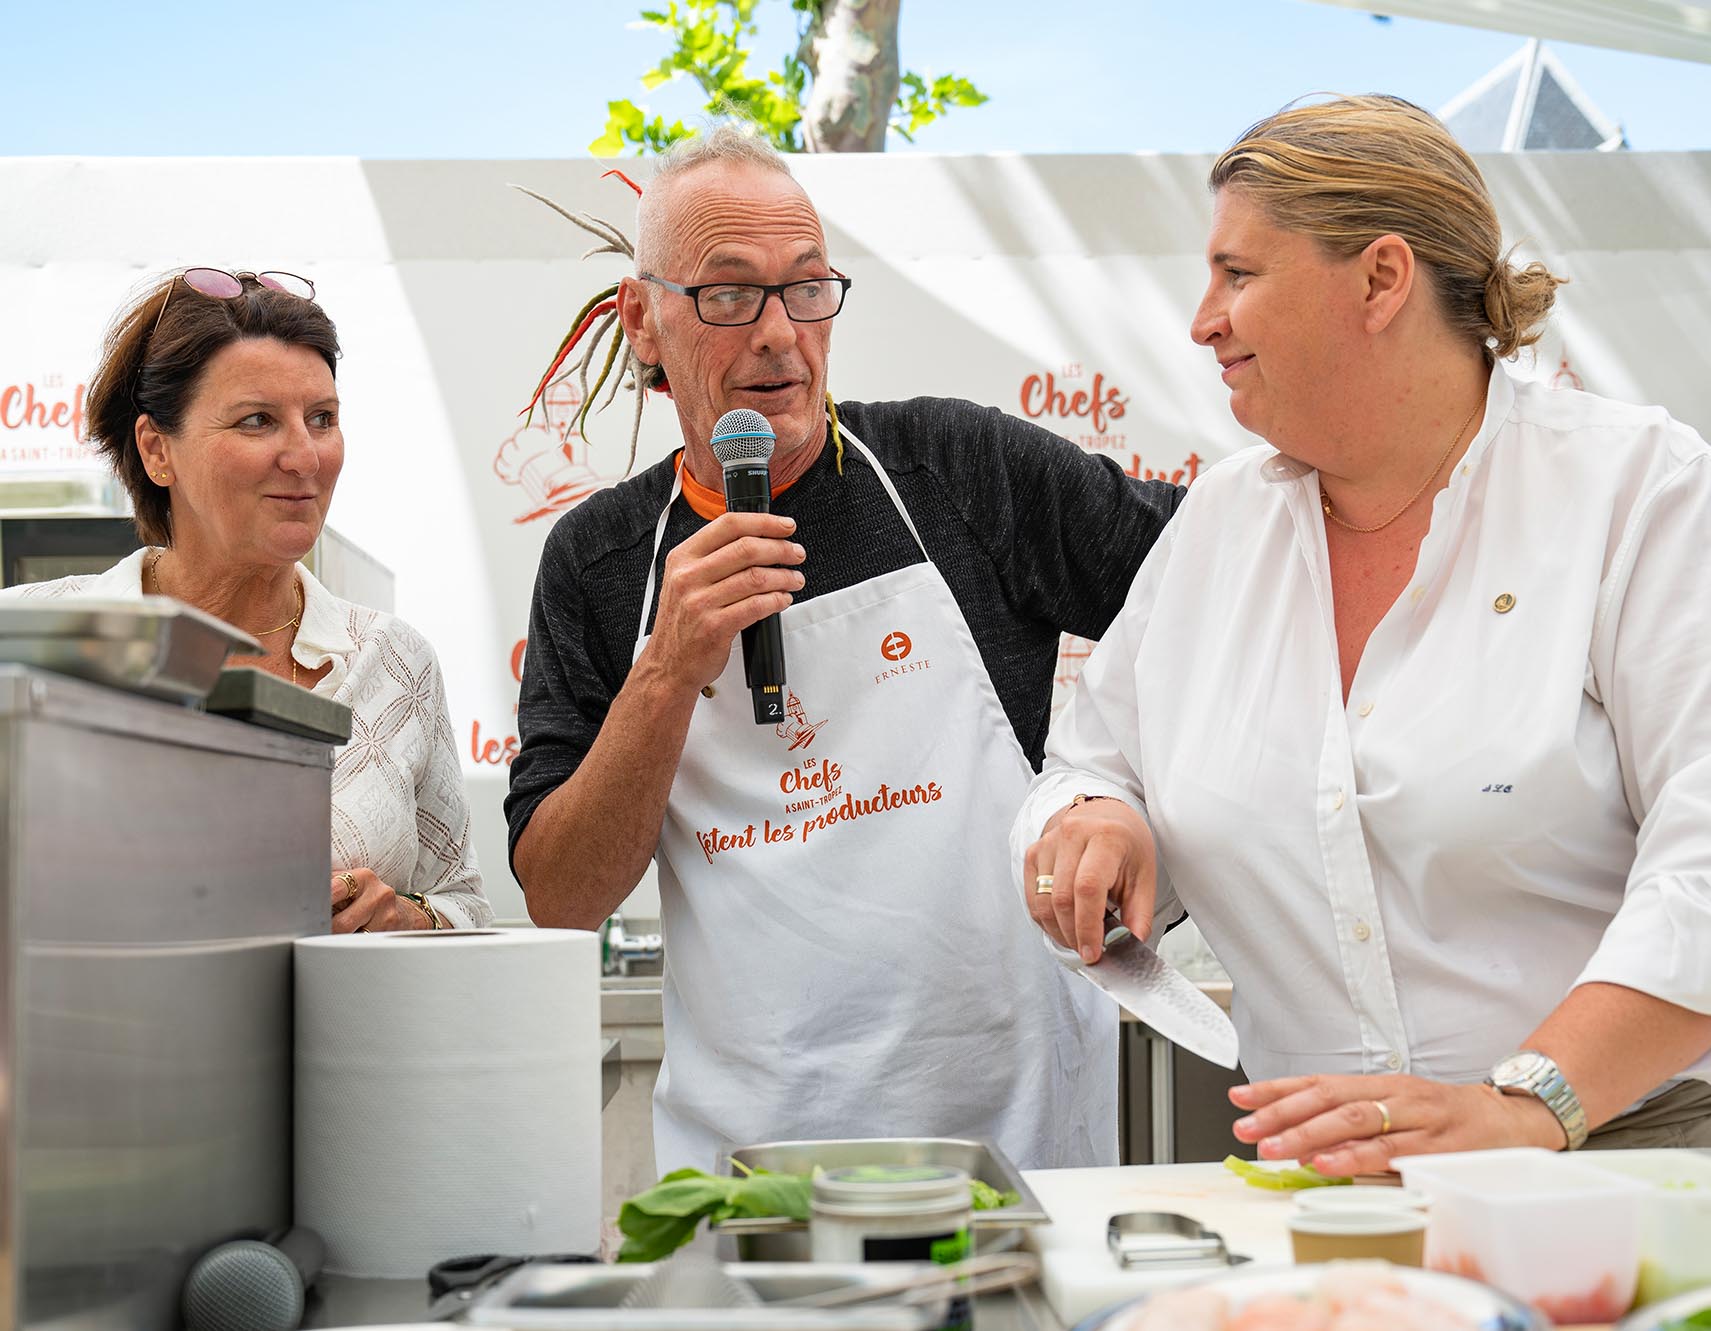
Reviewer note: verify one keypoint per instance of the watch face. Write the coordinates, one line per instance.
(1515, 1069)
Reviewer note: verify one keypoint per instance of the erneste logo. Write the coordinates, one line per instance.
(897, 648)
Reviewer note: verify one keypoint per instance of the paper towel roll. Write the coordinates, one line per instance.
(448, 1096)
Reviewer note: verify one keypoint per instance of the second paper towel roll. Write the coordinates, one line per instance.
(448, 1096)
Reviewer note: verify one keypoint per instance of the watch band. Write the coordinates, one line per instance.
(1528, 1072)
(428, 912)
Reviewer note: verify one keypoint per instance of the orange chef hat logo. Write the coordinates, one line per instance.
(895, 646)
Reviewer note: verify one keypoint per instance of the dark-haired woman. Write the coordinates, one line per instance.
(215, 405)
(1416, 696)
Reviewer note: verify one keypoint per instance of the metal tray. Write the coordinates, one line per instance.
(779, 1239)
(155, 645)
(248, 694)
(544, 1297)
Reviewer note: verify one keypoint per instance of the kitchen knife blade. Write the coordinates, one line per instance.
(1155, 991)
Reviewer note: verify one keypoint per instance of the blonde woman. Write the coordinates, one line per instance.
(1434, 776)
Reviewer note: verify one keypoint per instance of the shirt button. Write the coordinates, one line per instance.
(1366, 709)
(1394, 1061)
(1337, 800)
(1363, 931)
(1416, 594)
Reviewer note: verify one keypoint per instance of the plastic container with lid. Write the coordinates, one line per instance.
(1547, 1228)
(1675, 1218)
(894, 1213)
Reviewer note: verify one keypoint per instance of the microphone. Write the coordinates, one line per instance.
(248, 1285)
(742, 441)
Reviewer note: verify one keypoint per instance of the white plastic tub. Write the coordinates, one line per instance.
(1675, 1220)
(1560, 1234)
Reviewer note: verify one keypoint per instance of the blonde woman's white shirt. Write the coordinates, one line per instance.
(398, 797)
(1515, 799)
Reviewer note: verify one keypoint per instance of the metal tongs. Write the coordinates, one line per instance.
(977, 1275)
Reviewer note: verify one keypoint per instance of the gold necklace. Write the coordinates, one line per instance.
(1325, 499)
(293, 622)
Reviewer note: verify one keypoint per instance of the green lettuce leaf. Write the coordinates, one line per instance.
(658, 1222)
(988, 1198)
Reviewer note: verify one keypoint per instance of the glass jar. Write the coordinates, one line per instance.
(894, 1213)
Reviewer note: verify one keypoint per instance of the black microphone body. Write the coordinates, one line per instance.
(742, 441)
(748, 489)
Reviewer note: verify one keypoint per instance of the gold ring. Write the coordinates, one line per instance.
(1043, 885)
(1384, 1116)
(351, 889)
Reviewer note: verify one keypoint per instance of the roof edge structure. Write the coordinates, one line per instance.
(1674, 29)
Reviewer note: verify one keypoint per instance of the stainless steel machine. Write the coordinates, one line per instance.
(59, 523)
(155, 864)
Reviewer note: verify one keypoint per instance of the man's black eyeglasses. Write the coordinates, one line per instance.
(732, 304)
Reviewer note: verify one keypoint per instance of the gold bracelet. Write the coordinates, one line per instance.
(428, 912)
(1083, 799)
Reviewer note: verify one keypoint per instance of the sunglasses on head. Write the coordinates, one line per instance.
(221, 285)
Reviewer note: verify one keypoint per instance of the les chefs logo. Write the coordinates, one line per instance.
(898, 647)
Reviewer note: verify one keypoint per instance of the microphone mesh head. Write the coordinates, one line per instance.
(742, 436)
(243, 1286)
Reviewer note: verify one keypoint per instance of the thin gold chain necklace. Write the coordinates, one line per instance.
(1325, 499)
(293, 622)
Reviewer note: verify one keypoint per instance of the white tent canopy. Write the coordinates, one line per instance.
(1672, 28)
(1530, 101)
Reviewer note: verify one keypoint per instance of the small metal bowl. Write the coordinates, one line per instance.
(779, 1239)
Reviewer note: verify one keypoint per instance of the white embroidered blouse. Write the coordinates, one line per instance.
(398, 798)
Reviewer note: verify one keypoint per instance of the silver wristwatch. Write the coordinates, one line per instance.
(1529, 1072)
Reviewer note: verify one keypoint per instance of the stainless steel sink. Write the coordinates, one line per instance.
(629, 1000)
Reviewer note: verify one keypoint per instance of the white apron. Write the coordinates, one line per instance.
(845, 954)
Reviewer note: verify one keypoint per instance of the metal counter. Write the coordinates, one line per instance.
(611, 1070)
(340, 1301)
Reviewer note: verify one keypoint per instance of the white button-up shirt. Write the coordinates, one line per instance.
(1516, 797)
(398, 799)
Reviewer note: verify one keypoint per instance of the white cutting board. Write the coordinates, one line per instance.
(1078, 1273)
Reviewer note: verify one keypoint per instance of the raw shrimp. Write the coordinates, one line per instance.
(1178, 1310)
(1281, 1312)
(1387, 1310)
(1346, 1284)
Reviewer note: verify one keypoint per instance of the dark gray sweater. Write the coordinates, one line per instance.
(1034, 536)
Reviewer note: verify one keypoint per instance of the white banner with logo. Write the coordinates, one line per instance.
(1057, 288)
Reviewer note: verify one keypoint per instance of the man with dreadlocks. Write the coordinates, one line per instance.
(845, 954)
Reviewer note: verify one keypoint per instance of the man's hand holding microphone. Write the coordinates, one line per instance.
(735, 575)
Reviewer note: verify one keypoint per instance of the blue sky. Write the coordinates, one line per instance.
(530, 78)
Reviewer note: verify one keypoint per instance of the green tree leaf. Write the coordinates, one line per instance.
(713, 43)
